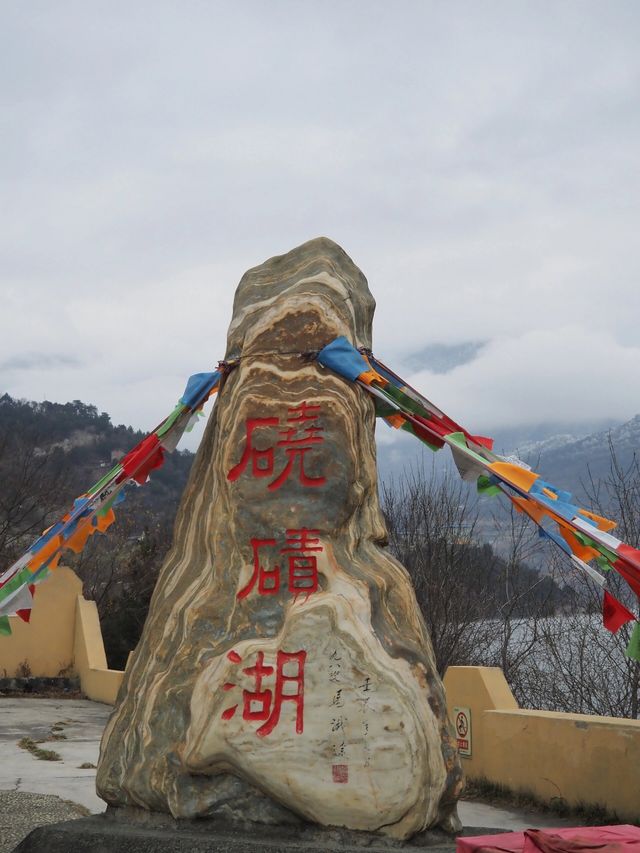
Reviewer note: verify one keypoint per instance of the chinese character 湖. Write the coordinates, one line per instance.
(262, 704)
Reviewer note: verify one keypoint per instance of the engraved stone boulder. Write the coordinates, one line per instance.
(285, 671)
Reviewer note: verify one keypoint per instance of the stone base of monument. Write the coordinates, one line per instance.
(131, 831)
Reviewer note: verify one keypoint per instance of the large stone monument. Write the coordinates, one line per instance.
(284, 672)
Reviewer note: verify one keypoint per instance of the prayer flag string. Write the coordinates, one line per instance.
(581, 534)
(578, 532)
(93, 511)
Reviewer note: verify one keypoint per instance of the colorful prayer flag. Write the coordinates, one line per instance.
(614, 614)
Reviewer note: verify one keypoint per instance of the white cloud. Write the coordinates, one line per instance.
(479, 163)
(568, 374)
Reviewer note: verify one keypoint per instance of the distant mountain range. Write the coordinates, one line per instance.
(563, 455)
(73, 446)
(569, 461)
(566, 456)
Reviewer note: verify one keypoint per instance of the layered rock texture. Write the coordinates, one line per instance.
(285, 671)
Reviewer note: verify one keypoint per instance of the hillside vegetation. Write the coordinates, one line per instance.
(51, 452)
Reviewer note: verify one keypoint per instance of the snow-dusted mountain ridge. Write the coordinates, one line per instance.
(569, 462)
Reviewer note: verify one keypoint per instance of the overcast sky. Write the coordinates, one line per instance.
(478, 160)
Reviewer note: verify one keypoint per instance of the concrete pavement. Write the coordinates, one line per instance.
(82, 722)
(473, 813)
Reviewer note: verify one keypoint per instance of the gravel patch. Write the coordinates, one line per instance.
(21, 812)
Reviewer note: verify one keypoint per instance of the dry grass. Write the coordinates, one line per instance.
(36, 750)
(41, 754)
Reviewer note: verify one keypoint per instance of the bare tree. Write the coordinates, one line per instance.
(119, 572)
(34, 485)
(432, 525)
(578, 665)
(528, 599)
(482, 606)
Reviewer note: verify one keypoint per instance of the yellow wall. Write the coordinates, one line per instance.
(97, 681)
(573, 757)
(63, 637)
(46, 642)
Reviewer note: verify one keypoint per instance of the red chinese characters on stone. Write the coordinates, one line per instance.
(261, 460)
(264, 704)
(268, 579)
(303, 563)
(300, 551)
(297, 440)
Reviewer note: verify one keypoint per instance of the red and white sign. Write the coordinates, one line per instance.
(462, 724)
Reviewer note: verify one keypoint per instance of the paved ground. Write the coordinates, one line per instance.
(473, 813)
(82, 723)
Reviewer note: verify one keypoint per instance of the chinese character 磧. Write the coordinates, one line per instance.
(260, 573)
(299, 548)
(303, 564)
(263, 704)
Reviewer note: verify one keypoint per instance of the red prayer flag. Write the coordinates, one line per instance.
(482, 440)
(631, 575)
(614, 614)
(143, 459)
(632, 555)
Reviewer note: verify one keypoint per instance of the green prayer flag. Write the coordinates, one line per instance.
(611, 557)
(486, 487)
(5, 627)
(383, 410)
(633, 649)
(97, 487)
(405, 401)
(588, 542)
(164, 428)
(604, 563)
(606, 559)
(17, 581)
(105, 509)
(460, 440)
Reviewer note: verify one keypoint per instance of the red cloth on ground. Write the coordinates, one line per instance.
(588, 839)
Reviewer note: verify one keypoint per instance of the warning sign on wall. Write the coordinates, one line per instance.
(462, 723)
